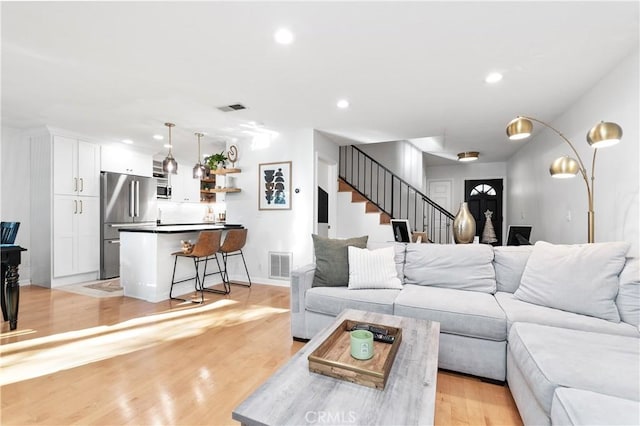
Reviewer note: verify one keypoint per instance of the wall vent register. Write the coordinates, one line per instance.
(279, 265)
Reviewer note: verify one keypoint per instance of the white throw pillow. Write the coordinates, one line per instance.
(373, 269)
(580, 278)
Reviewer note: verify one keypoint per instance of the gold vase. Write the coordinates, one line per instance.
(464, 225)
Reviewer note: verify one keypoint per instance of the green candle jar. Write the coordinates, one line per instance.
(362, 344)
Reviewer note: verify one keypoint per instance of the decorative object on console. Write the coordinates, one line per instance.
(468, 156)
(464, 225)
(600, 136)
(233, 155)
(169, 164)
(200, 170)
(488, 233)
(274, 186)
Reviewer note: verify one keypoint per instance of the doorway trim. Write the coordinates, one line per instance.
(505, 197)
(332, 190)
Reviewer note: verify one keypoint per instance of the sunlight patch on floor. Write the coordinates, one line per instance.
(41, 356)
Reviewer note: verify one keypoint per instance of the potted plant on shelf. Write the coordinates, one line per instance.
(216, 160)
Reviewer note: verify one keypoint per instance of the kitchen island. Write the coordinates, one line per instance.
(146, 263)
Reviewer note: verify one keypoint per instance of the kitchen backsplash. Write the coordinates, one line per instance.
(172, 212)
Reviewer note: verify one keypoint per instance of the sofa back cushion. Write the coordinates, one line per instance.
(509, 263)
(628, 300)
(579, 278)
(400, 252)
(459, 266)
(332, 260)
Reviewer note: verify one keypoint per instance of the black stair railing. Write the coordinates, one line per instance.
(393, 195)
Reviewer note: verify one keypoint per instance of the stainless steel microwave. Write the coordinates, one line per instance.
(163, 189)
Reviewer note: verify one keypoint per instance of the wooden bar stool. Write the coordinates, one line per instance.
(232, 246)
(203, 250)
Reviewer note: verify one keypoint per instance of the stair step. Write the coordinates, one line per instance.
(343, 186)
(384, 219)
(371, 208)
(357, 198)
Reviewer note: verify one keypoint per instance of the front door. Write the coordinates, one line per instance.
(485, 195)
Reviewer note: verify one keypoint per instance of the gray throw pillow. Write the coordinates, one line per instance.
(332, 260)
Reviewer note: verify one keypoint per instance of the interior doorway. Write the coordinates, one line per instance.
(326, 194)
(485, 195)
(440, 192)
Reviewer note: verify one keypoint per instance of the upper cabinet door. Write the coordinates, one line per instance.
(118, 159)
(65, 154)
(88, 169)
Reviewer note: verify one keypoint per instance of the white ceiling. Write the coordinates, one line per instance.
(409, 69)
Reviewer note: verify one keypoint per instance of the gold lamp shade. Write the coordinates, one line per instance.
(604, 134)
(519, 128)
(564, 167)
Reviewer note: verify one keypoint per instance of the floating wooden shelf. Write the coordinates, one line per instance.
(224, 171)
(216, 190)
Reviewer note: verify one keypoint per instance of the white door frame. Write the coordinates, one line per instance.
(332, 189)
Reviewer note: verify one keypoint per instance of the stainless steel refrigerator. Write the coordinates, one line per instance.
(125, 200)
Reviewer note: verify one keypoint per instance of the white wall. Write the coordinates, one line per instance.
(274, 230)
(459, 172)
(14, 191)
(402, 158)
(557, 209)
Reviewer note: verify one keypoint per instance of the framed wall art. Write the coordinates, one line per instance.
(274, 186)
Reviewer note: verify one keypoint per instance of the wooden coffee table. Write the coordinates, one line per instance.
(296, 396)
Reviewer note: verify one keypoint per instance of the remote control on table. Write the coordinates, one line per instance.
(379, 334)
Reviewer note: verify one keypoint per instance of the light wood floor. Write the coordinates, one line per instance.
(81, 360)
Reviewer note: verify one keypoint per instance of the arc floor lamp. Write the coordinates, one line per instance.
(600, 136)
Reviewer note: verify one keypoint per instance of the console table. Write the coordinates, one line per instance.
(10, 294)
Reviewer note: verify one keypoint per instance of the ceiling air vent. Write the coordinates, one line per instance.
(233, 107)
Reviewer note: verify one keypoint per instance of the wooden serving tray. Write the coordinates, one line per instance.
(333, 357)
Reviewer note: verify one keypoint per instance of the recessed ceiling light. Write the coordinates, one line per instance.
(167, 145)
(283, 36)
(342, 104)
(127, 141)
(158, 137)
(493, 77)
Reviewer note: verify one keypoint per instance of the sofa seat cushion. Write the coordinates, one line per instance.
(519, 311)
(333, 300)
(579, 407)
(551, 357)
(465, 313)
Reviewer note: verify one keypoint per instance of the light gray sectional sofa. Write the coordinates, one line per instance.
(543, 331)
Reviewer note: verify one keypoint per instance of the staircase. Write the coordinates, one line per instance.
(356, 197)
(389, 196)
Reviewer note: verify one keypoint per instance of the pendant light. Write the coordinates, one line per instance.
(200, 170)
(169, 164)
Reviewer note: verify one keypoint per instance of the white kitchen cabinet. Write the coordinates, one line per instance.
(184, 188)
(76, 235)
(65, 208)
(76, 168)
(118, 159)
